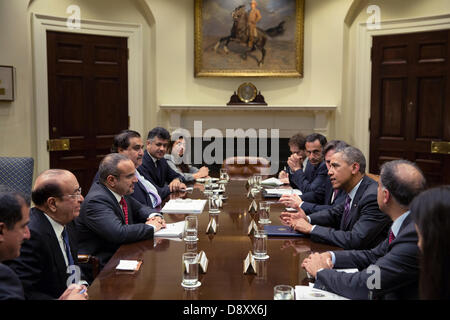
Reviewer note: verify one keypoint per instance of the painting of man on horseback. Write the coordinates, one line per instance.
(263, 30)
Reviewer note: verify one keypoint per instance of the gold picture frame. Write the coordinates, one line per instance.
(222, 44)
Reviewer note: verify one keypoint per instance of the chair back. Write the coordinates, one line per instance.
(374, 176)
(242, 167)
(17, 174)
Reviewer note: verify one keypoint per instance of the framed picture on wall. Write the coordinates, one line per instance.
(249, 38)
(6, 83)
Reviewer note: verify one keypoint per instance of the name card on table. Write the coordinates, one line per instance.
(252, 227)
(212, 226)
(253, 207)
(202, 261)
(249, 264)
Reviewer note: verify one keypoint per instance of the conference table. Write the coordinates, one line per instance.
(160, 274)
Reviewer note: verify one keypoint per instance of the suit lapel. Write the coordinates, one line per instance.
(118, 209)
(354, 208)
(53, 243)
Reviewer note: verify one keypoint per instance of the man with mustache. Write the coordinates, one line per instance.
(155, 168)
(109, 217)
(49, 257)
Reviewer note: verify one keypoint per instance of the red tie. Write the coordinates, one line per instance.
(123, 203)
(391, 236)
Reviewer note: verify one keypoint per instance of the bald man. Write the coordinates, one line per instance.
(391, 269)
(49, 257)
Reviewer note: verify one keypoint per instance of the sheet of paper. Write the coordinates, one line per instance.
(350, 270)
(272, 182)
(190, 206)
(281, 192)
(310, 293)
(171, 230)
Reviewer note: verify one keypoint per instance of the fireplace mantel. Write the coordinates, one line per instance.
(255, 116)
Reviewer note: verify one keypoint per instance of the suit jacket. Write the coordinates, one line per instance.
(41, 266)
(140, 193)
(160, 181)
(10, 285)
(365, 228)
(101, 225)
(398, 269)
(311, 182)
(311, 207)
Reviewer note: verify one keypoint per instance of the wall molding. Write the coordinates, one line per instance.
(40, 25)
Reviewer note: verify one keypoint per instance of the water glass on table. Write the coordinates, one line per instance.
(190, 270)
(260, 244)
(264, 212)
(190, 228)
(283, 292)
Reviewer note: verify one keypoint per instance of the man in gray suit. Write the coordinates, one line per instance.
(390, 270)
(109, 217)
(356, 223)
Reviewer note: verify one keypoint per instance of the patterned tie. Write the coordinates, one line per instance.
(67, 247)
(391, 236)
(123, 203)
(346, 210)
(154, 196)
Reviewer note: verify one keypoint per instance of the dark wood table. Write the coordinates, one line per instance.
(159, 277)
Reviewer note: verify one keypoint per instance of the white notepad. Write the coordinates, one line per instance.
(127, 265)
(281, 192)
(174, 230)
(189, 206)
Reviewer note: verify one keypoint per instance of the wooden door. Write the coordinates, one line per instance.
(88, 99)
(410, 102)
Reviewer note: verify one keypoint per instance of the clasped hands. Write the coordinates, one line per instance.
(176, 185)
(296, 220)
(317, 261)
(157, 222)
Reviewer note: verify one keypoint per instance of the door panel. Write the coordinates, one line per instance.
(410, 103)
(88, 99)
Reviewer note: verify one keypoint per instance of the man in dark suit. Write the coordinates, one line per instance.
(390, 270)
(48, 256)
(155, 168)
(332, 196)
(357, 223)
(296, 146)
(311, 180)
(109, 217)
(129, 143)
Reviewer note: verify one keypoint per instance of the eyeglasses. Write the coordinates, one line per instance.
(75, 195)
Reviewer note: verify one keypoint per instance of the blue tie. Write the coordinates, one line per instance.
(67, 247)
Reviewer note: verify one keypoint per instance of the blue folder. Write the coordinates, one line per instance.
(283, 231)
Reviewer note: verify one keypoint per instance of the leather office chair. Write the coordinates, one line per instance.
(17, 174)
(375, 177)
(93, 263)
(242, 168)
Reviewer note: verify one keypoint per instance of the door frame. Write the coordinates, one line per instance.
(363, 68)
(40, 25)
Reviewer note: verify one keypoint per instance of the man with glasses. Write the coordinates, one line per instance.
(311, 181)
(47, 265)
(109, 217)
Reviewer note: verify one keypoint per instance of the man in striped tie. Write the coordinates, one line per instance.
(390, 270)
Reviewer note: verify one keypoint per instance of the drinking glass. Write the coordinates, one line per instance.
(283, 292)
(260, 244)
(190, 228)
(264, 212)
(190, 270)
